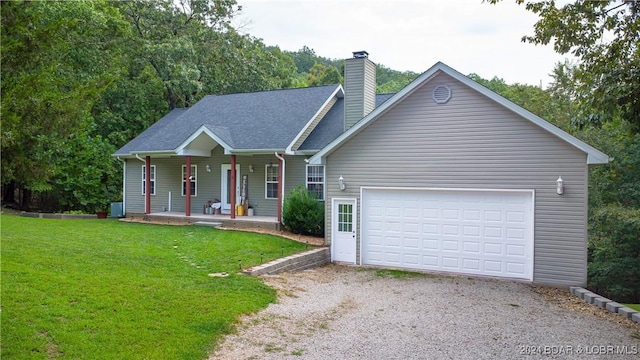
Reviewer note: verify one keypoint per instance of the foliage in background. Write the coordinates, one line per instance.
(302, 213)
(605, 36)
(316, 70)
(57, 59)
(597, 99)
(615, 253)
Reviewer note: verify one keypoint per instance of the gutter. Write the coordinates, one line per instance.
(124, 186)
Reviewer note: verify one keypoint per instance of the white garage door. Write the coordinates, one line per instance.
(468, 232)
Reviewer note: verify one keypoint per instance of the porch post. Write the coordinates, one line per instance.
(188, 187)
(147, 185)
(280, 191)
(232, 187)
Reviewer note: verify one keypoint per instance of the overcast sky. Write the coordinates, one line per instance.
(468, 35)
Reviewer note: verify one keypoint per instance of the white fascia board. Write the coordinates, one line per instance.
(253, 151)
(594, 156)
(338, 92)
(193, 152)
(203, 129)
(155, 153)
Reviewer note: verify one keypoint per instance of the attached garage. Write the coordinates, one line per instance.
(477, 232)
(447, 176)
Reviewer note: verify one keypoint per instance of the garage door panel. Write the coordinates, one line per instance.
(493, 215)
(450, 263)
(411, 259)
(471, 232)
(471, 246)
(471, 264)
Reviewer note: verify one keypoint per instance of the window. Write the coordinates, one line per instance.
(345, 217)
(152, 179)
(194, 180)
(271, 182)
(315, 181)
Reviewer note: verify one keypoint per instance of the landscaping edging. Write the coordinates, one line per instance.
(306, 260)
(610, 305)
(57, 216)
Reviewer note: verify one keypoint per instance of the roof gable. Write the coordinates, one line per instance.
(594, 156)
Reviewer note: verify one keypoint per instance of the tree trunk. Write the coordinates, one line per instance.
(172, 98)
(9, 193)
(25, 200)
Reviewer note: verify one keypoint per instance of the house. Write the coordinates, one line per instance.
(444, 176)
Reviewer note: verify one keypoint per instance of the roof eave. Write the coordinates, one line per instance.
(594, 156)
(338, 92)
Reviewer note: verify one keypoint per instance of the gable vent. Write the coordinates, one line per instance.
(441, 94)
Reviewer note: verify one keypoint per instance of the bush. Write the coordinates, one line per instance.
(614, 253)
(302, 214)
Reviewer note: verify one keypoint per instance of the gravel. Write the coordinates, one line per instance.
(337, 312)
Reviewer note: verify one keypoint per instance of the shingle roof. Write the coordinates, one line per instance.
(332, 125)
(258, 120)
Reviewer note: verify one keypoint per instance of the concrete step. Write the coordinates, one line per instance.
(207, 223)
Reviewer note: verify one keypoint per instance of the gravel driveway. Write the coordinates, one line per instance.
(337, 312)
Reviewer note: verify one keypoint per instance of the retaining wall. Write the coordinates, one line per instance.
(306, 260)
(610, 305)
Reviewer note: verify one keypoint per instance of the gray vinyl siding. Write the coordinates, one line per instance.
(359, 89)
(168, 179)
(472, 142)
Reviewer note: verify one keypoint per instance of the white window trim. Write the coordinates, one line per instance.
(266, 181)
(324, 177)
(194, 173)
(152, 180)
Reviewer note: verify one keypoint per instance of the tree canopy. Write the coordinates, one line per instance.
(604, 36)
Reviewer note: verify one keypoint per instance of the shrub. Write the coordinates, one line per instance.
(614, 253)
(302, 214)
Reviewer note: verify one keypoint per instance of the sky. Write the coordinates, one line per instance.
(468, 35)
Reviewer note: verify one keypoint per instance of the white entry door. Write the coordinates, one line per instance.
(343, 243)
(226, 189)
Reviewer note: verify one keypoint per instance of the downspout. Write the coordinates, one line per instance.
(281, 158)
(147, 185)
(124, 186)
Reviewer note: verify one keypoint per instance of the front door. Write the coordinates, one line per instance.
(226, 189)
(343, 242)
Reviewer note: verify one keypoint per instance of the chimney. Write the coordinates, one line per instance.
(359, 88)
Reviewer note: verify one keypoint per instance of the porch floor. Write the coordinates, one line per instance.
(179, 218)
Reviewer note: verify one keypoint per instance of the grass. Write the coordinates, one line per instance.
(633, 306)
(102, 289)
(402, 274)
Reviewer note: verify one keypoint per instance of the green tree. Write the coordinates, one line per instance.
(169, 35)
(320, 74)
(57, 57)
(392, 81)
(604, 35)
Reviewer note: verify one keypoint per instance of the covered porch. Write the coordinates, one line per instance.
(213, 175)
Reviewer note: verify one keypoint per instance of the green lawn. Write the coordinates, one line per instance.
(634, 306)
(102, 289)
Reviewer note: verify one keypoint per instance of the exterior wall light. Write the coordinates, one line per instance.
(251, 168)
(560, 183)
(208, 168)
(341, 183)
